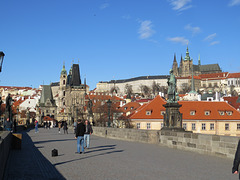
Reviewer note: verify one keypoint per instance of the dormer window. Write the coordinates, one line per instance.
(192, 113)
(148, 112)
(162, 113)
(229, 113)
(221, 113)
(207, 113)
(125, 108)
(131, 108)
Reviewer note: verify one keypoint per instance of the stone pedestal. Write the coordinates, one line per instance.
(172, 117)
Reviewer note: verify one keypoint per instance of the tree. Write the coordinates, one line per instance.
(128, 89)
(155, 88)
(146, 91)
(185, 88)
(114, 89)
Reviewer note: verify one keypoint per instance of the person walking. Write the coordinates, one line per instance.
(36, 126)
(59, 127)
(80, 136)
(8, 125)
(65, 128)
(236, 160)
(87, 133)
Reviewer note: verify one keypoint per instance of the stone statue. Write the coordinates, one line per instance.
(89, 107)
(171, 88)
(9, 107)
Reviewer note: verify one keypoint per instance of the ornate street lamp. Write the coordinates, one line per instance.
(1, 60)
(109, 104)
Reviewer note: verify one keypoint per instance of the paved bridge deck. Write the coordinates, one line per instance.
(109, 159)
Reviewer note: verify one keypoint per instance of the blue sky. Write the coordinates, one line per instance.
(114, 39)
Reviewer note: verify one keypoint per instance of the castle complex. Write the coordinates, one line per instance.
(186, 67)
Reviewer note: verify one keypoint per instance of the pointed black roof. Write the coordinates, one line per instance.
(75, 80)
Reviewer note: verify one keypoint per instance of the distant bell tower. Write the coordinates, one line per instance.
(62, 87)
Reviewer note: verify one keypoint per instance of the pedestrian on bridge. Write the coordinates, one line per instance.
(8, 125)
(65, 128)
(236, 160)
(36, 126)
(87, 133)
(80, 136)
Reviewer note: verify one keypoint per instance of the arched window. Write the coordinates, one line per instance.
(63, 93)
(64, 82)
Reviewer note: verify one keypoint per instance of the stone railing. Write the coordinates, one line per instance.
(224, 146)
(5, 145)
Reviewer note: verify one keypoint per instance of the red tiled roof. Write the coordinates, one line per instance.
(214, 107)
(234, 75)
(156, 106)
(143, 100)
(222, 75)
(14, 87)
(189, 77)
(232, 101)
(131, 106)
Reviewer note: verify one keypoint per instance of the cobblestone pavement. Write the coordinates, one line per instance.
(109, 159)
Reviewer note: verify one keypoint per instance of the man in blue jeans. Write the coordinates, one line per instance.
(87, 133)
(80, 136)
(8, 125)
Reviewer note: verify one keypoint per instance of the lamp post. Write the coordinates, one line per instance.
(109, 104)
(17, 114)
(1, 60)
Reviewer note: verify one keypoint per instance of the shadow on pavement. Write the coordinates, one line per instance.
(103, 149)
(29, 163)
(86, 157)
(103, 146)
(38, 142)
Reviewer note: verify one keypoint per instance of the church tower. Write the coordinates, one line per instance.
(175, 66)
(187, 65)
(62, 87)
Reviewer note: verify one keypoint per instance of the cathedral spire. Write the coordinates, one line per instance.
(187, 57)
(199, 61)
(174, 60)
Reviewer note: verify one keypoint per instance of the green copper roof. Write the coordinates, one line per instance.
(187, 57)
(63, 70)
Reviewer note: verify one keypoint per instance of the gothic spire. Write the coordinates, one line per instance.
(199, 61)
(187, 57)
(174, 60)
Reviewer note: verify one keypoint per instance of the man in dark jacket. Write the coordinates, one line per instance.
(236, 160)
(80, 136)
(8, 125)
(87, 133)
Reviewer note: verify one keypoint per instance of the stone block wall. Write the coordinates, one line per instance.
(5, 145)
(224, 146)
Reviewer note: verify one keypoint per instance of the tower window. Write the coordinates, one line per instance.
(64, 82)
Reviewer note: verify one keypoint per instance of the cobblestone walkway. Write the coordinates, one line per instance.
(109, 159)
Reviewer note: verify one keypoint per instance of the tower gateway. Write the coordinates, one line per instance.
(186, 67)
(71, 98)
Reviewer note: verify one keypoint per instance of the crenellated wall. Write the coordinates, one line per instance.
(224, 146)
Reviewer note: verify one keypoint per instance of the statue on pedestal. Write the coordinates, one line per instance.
(8, 111)
(172, 117)
(171, 88)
